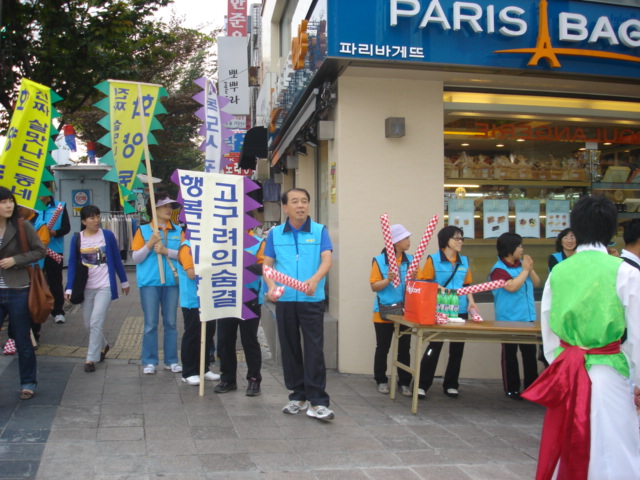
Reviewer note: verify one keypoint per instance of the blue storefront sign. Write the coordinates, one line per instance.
(578, 37)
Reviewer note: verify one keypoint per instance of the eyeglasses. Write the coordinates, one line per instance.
(458, 239)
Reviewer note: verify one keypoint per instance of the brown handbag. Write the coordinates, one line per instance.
(40, 297)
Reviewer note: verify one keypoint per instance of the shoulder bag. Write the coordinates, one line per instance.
(40, 297)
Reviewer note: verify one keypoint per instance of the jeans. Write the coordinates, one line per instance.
(14, 302)
(190, 346)
(227, 335)
(94, 311)
(153, 300)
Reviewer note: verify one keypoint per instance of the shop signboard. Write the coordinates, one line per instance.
(233, 79)
(461, 215)
(536, 35)
(557, 217)
(496, 217)
(79, 199)
(528, 218)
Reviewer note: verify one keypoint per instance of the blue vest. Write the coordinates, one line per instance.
(37, 222)
(443, 270)
(257, 285)
(558, 256)
(147, 272)
(188, 288)
(515, 306)
(390, 295)
(300, 259)
(57, 243)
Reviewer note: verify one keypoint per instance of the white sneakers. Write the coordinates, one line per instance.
(194, 380)
(383, 387)
(320, 412)
(294, 406)
(151, 369)
(59, 318)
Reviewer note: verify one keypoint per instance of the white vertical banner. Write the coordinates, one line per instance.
(213, 206)
(213, 129)
(233, 73)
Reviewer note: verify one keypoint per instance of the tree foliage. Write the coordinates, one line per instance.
(73, 45)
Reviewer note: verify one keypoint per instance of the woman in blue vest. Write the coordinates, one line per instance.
(450, 270)
(381, 283)
(514, 303)
(565, 247)
(147, 247)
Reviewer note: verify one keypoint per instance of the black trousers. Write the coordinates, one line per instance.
(511, 369)
(227, 336)
(190, 345)
(305, 373)
(53, 274)
(384, 336)
(429, 363)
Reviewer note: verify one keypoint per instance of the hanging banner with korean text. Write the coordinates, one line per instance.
(131, 109)
(28, 145)
(213, 208)
(213, 119)
(233, 73)
(237, 18)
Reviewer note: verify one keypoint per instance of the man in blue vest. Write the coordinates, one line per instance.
(301, 248)
(53, 269)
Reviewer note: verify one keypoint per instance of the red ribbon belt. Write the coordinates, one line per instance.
(565, 389)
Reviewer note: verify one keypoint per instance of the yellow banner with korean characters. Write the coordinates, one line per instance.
(131, 108)
(28, 143)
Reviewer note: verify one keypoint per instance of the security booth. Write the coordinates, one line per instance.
(77, 186)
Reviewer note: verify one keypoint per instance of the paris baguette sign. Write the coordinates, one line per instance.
(585, 37)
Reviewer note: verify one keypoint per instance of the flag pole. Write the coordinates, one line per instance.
(152, 195)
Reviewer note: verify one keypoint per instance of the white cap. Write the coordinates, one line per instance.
(398, 232)
(166, 201)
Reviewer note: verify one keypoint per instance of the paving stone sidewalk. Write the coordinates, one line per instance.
(118, 424)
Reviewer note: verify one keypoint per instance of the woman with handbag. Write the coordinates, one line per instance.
(381, 280)
(94, 261)
(14, 285)
(450, 270)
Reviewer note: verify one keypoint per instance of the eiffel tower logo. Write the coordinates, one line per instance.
(545, 50)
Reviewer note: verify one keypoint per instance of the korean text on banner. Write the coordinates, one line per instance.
(237, 18)
(127, 137)
(26, 151)
(233, 73)
(214, 213)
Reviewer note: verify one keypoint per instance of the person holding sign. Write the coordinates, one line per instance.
(14, 286)
(148, 246)
(301, 249)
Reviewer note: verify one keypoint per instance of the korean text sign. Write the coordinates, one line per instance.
(131, 106)
(25, 152)
(213, 206)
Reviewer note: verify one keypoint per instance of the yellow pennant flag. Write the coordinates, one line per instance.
(26, 151)
(131, 111)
